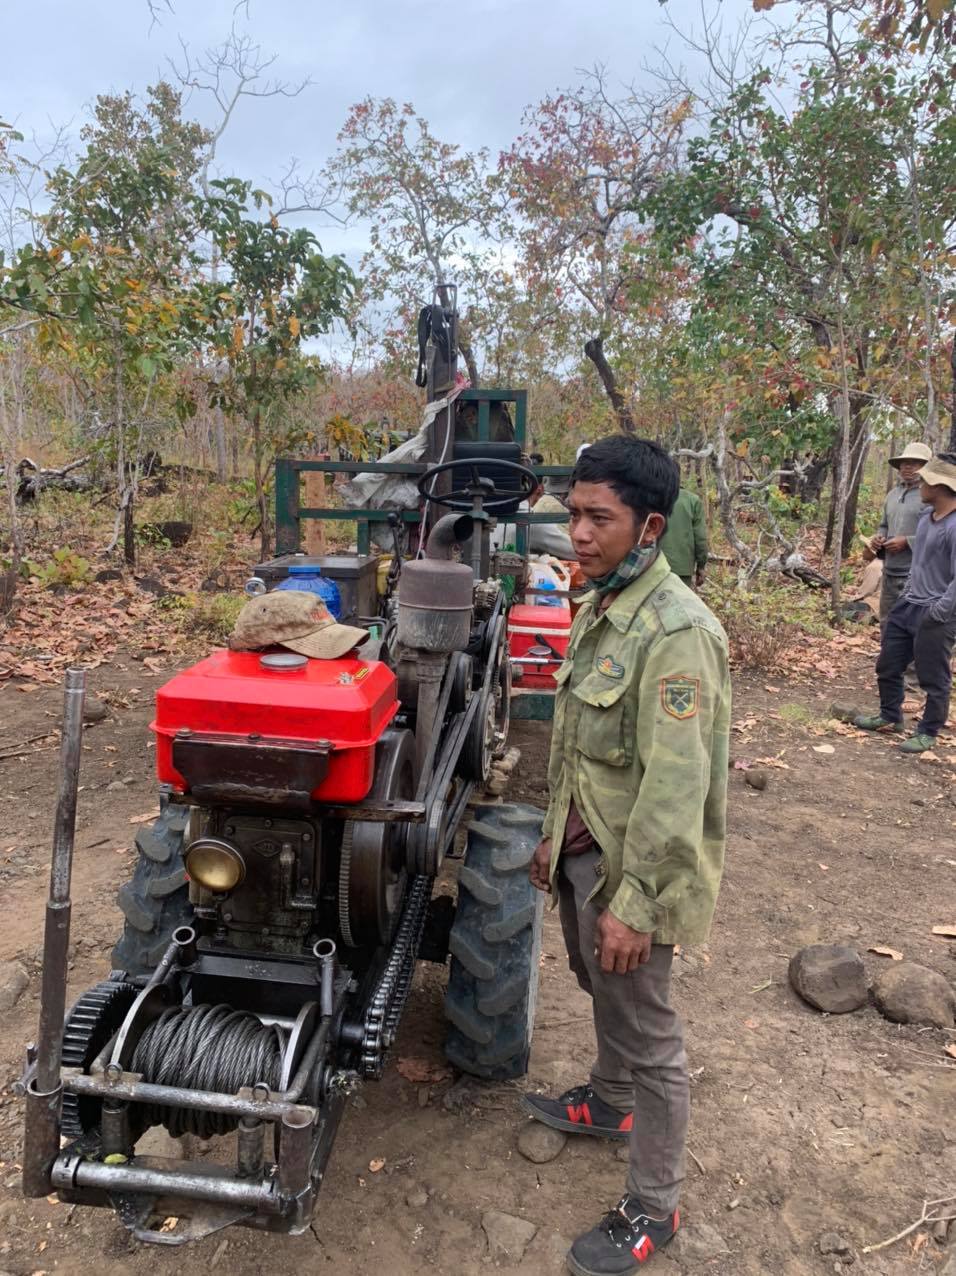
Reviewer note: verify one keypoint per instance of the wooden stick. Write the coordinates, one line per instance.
(696, 1161)
(923, 1218)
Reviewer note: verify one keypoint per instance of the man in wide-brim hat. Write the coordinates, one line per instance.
(893, 540)
(922, 625)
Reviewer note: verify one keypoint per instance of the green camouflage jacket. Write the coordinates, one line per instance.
(640, 742)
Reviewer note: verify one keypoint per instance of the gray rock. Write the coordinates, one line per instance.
(539, 1143)
(909, 993)
(116, 786)
(416, 1197)
(697, 1242)
(508, 1236)
(13, 982)
(830, 977)
(756, 778)
(94, 710)
(834, 1243)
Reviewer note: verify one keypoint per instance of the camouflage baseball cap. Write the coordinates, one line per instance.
(295, 619)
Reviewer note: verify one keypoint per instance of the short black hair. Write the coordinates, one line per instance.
(642, 473)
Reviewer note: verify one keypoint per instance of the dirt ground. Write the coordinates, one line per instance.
(802, 1124)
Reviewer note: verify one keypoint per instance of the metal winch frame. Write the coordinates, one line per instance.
(276, 1194)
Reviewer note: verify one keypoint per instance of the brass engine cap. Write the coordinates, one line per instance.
(214, 865)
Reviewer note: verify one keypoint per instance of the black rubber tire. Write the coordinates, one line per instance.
(495, 944)
(156, 901)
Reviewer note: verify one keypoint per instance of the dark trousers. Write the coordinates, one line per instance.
(910, 634)
(641, 1066)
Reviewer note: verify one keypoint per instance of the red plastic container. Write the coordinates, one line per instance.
(538, 627)
(348, 702)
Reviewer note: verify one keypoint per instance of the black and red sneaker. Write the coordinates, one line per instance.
(580, 1111)
(623, 1241)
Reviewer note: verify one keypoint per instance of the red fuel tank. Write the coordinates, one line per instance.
(231, 698)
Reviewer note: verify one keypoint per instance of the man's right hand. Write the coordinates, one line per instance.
(539, 873)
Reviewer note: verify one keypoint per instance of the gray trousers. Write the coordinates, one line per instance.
(891, 590)
(641, 1066)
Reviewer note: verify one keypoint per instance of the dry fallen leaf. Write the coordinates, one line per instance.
(376, 1164)
(883, 951)
(950, 1048)
(145, 818)
(823, 748)
(169, 1224)
(751, 1023)
(825, 867)
(423, 1071)
(929, 756)
(948, 932)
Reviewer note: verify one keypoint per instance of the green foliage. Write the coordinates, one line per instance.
(66, 569)
(209, 617)
(764, 620)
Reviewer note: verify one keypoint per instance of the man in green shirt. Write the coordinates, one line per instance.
(684, 543)
(634, 833)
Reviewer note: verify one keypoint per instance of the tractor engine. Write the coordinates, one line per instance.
(256, 741)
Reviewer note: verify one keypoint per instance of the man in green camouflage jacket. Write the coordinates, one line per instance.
(634, 834)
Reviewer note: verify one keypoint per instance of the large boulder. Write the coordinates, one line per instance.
(909, 993)
(830, 977)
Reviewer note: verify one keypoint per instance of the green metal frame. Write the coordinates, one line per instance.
(290, 511)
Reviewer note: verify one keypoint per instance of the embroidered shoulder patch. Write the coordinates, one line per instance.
(680, 696)
(609, 667)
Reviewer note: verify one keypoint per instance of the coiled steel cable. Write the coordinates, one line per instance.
(206, 1048)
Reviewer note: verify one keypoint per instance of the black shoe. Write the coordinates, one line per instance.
(580, 1111)
(624, 1240)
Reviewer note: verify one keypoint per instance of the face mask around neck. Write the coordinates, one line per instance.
(630, 568)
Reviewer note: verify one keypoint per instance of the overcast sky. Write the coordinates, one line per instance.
(470, 68)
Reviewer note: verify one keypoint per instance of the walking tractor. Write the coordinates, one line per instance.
(282, 897)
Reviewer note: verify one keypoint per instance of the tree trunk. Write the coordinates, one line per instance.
(841, 474)
(129, 531)
(468, 354)
(594, 349)
(265, 526)
(952, 421)
(222, 461)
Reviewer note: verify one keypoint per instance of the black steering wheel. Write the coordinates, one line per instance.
(528, 481)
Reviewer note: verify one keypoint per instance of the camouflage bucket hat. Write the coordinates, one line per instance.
(294, 619)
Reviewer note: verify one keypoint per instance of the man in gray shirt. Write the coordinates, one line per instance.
(893, 540)
(922, 625)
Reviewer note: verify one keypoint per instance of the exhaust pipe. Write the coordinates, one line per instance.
(44, 1090)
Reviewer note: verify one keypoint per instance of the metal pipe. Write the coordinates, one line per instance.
(56, 938)
(295, 1153)
(174, 1096)
(324, 952)
(250, 1148)
(309, 1059)
(72, 1173)
(45, 1091)
(41, 1140)
(431, 670)
(114, 1129)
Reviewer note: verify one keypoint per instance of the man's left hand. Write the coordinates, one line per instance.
(896, 545)
(619, 948)
(699, 577)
